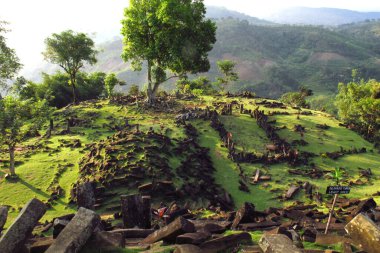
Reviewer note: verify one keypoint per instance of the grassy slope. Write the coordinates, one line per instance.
(37, 172)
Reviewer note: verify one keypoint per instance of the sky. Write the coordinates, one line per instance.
(31, 21)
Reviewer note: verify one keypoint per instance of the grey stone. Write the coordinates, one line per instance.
(277, 244)
(15, 236)
(225, 242)
(170, 232)
(364, 233)
(86, 196)
(74, 236)
(3, 216)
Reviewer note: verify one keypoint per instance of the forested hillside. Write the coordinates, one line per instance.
(272, 60)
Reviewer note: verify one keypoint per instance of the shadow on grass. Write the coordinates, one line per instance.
(32, 188)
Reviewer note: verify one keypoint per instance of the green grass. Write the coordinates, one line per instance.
(37, 168)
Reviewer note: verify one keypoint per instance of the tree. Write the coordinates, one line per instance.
(70, 51)
(110, 82)
(358, 104)
(168, 35)
(227, 68)
(14, 117)
(9, 62)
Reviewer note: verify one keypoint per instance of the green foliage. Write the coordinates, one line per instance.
(197, 87)
(9, 62)
(54, 88)
(358, 103)
(227, 69)
(110, 82)
(70, 51)
(134, 90)
(170, 35)
(294, 99)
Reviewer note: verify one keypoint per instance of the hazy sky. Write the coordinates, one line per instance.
(31, 21)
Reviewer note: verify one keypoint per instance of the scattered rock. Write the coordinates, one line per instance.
(277, 244)
(226, 242)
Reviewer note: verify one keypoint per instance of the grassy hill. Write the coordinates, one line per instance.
(193, 156)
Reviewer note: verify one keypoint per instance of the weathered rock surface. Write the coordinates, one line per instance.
(365, 233)
(277, 244)
(74, 236)
(40, 245)
(3, 216)
(136, 211)
(86, 196)
(106, 240)
(244, 214)
(17, 233)
(170, 232)
(193, 238)
(225, 242)
(187, 248)
(134, 232)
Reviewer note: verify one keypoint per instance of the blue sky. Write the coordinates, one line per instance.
(31, 21)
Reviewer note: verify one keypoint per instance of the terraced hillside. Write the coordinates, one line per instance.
(219, 151)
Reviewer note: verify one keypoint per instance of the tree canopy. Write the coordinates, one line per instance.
(9, 62)
(227, 68)
(358, 103)
(70, 50)
(168, 35)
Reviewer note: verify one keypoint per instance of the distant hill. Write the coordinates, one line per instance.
(273, 59)
(321, 16)
(216, 12)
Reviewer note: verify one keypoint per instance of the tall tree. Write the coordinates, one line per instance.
(9, 62)
(14, 116)
(227, 68)
(70, 51)
(110, 81)
(169, 35)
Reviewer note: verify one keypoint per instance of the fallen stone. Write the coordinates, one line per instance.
(214, 228)
(58, 226)
(193, 238)
(170, 232)
(74, 236)
(259, 225)
(3, 216)
(134, 232)
(106, 240)
(187, 248)
(15, 236)
(279, 231)
(41, 244)
(330, 239)
(226, 242)
(200, 225)
(277, 244)
(291, 192)
(364, 233)
(364, 206)
(347, 247)
(244, 214)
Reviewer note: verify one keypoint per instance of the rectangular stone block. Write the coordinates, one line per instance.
(75, 235)
(15, 236)
(3, 217)
(364, 233)
(225, 242)
(170, 232)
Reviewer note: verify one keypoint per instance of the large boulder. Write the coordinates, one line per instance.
(364, 233)
(74, 236)
(15, 236)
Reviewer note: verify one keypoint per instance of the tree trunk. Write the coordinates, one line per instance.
(73, 87)
(12, 160)
(149, 92)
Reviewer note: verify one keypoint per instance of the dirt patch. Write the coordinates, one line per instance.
(325, 57)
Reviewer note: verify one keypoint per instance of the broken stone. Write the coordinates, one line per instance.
(74, 236)
(328, 239)
(265, 225)
(15, 236)
(170, 232)
(136, 211)
(291, 192)
(226, 242)
(187, 248)
(107, 240)
(365, 206)
(134, 232)
(193, 238)
(244, 214)
(277, 244)
(3, 217)
(40, 245)
(365, 233)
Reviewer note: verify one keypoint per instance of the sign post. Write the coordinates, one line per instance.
(335, 190)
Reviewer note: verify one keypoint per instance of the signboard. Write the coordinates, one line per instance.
(338, 190)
